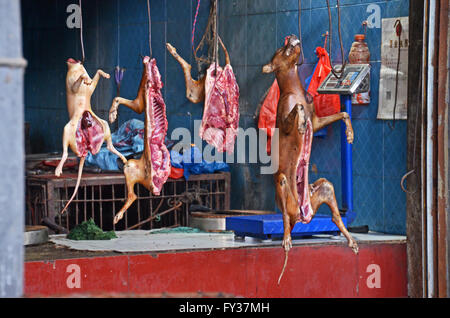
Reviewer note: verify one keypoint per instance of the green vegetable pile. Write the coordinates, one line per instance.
(89, 231)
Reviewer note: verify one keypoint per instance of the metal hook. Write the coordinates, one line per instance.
(403, 180)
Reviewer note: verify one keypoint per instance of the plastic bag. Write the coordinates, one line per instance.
(324, 104)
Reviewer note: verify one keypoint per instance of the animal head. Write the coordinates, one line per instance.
(74, 64)
(145, 59)
(285, 57)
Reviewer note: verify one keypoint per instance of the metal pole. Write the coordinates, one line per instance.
(347, 164)
(430, 160)
(12, 185)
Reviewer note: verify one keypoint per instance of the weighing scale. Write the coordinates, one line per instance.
(355, 79)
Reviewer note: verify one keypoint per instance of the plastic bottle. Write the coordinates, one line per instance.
(360, 54)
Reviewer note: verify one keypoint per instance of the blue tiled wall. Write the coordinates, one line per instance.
(115, 33)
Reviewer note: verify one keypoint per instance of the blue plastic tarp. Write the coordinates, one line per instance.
(192, 162)
(129, 140)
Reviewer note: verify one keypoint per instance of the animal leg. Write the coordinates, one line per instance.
(195, 90)
(84, 78)
(66, 137)
(132, 176)
(323, 192)
(137, 105)
(320, 122)
(96, 78)
(109, 143)
(289, 208)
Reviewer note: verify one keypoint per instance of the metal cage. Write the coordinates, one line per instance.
(100, 197)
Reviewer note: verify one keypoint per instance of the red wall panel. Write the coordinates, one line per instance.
(379, 270)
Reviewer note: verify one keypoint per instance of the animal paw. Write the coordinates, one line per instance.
(301, 119)
(113, 111)
(354, 246)
(287, 243)
(105, 75)
(58, 171)
(349, 133)
(118, 217)
(87, 80)
(171, 49)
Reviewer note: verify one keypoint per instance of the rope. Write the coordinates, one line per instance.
(413, 170)
(398, 30)
(341, 71)
(81, 33)
(149, 28)
(193, 26)
(216, 39)
(300, 32)
(208, 38)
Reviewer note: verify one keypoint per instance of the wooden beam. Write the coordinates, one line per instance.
(414, 222)
(442, 152)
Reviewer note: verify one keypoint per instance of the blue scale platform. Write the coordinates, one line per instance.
(269, 226)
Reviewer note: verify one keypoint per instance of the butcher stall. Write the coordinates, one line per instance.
(221, 148)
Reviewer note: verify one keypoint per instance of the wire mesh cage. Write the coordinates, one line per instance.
(101, 196)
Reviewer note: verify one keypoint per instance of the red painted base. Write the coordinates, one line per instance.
(379, 270)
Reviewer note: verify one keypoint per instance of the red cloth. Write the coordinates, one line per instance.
(268, 113)
(324, 104)
(176, 173)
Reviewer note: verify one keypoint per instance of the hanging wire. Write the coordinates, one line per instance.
(81, 33)
(149, 29)
(341, 71)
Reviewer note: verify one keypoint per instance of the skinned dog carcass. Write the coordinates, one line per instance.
(153, 168)
(220, 92)
(85, 132)
(296, 121)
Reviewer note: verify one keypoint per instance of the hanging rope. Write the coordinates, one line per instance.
(398, 30)
(149, 28)
(300, 31)
(193, 26)
(81, 33)
(413, 170)
(341, 71)
(216, 39)
(208, 38)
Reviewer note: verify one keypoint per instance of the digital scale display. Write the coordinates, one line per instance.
(356, 79)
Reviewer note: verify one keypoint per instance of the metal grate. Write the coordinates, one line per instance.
(101, 196)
